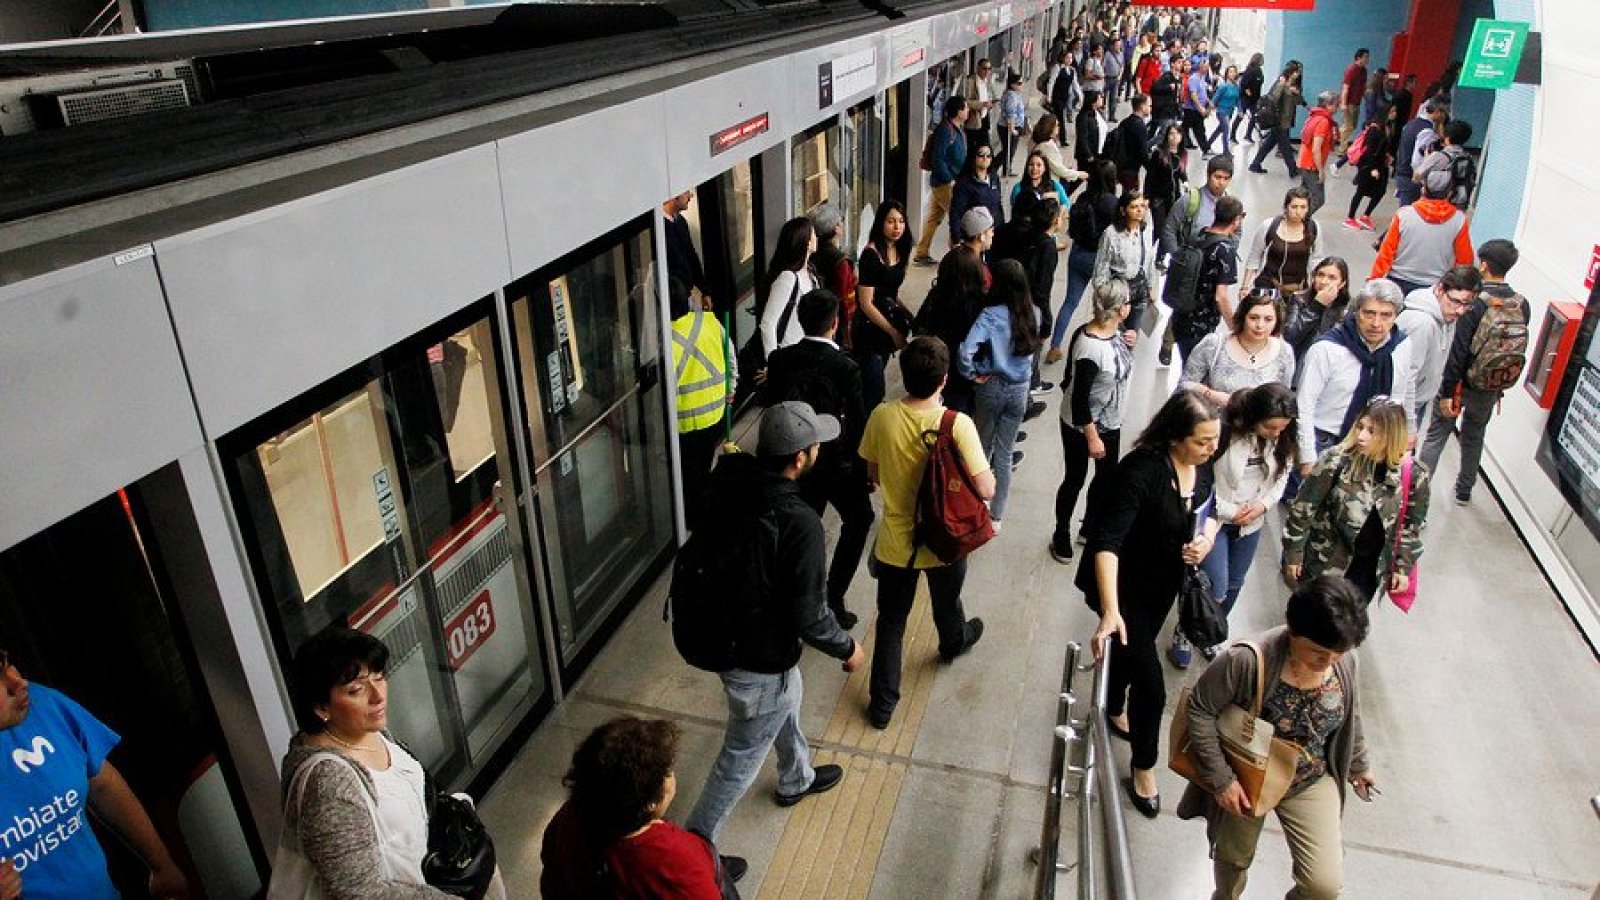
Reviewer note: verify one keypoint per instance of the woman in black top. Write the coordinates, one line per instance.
(977, 185)
(881, 325)
(1249, 96)
(1159, 510)
(1165, 174)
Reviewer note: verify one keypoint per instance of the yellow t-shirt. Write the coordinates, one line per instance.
(893, 441)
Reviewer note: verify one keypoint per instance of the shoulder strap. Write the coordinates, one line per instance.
(947, 424)
(788, 309)
(1405, 504)
(1194, 203)
(302, 775)
(1261, 683)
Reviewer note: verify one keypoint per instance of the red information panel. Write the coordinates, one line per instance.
(1305, 5)
(1594, 268)
(469, 630)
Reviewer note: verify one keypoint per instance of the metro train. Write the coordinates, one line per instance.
(368, 325)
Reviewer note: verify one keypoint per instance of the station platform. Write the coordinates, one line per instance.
(1479, 712)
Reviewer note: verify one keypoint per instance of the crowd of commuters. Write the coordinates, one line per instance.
(1298, 388)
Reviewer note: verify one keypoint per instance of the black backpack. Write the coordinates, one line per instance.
(718, 587)
(1113, 148)
(1463, 178)
(1267, 108)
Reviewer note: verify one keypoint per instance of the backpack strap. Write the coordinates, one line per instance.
(1405, 507)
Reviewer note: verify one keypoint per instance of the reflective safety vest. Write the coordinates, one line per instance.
(700, 362)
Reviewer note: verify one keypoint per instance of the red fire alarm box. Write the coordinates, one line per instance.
(1556, 337)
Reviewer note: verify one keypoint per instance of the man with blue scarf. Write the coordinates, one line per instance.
(1364, 356)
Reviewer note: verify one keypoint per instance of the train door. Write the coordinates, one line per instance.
(817, 167)
(722, 223)
(587, 335)
(898, 147)
(862, 152)
(88, 607)
(383, 499)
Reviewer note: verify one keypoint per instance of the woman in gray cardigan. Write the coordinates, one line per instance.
(1313, 699)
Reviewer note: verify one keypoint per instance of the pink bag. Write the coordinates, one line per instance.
(1405, 598)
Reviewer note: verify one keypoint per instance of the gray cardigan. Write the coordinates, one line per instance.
(1230, 679)
(336, 831)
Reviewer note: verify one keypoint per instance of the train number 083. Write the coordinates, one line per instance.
(469, 630)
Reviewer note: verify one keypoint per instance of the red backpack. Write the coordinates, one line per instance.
(952, 520)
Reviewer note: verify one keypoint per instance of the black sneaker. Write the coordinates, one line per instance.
(1258, 170)
(1034, 409)
(1061, 555)
(1044, 388)
(1165, 356)
(847, 619)
(826, 779)
(1016, 459)
(735, 867)
(879, 720)
(1021, 436)
(1463, 499)
(973, 633)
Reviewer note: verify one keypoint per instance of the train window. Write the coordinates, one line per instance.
(320, 478)
(458, 381)
(864, 181)
(816, 167)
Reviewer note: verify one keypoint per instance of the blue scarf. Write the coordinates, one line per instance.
(1377, 366)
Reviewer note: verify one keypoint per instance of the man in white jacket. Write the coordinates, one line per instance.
(1366, 356)
(1429, 321)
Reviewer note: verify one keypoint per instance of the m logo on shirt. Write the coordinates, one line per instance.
(32, 759)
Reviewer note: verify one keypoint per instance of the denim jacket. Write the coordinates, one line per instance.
(992, 335)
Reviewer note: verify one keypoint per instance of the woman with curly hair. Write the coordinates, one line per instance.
(611, 838)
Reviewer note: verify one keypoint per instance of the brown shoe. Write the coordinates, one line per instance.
(1053, 356)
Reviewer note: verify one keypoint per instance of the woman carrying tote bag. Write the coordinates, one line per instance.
(1312, 699)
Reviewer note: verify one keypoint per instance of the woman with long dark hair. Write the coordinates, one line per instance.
(1165, 173)
(1127, 251)
(1158, 515)
(1047, 143)
(1250, 83)
(1281, 251)
(1316, 310)
(612, 837)
(1036, 185)
(882, 325)
(998, 356)
(1249, 354)
(952, 305)
(1257, 452)
(789, 278)
(1091, 215)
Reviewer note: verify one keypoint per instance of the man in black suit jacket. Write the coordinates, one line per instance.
(817, 372)
(1133, 144)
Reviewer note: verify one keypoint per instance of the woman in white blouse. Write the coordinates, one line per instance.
(1127, 251)
(1251, 353)
(790, 278)
(1257, 452)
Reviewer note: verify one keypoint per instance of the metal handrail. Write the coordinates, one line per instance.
(1097, 780)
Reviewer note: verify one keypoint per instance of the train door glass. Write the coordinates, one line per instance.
(722, 223)
(89, 610)
(864, 130)
(817, 168)
(897, 142)
(380, 500)
(589, 360)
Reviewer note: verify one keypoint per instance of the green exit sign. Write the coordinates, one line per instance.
(1493, 54)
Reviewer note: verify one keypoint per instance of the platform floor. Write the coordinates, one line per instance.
(1481, 715)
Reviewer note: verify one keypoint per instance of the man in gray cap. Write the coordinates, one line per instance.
(755, 509)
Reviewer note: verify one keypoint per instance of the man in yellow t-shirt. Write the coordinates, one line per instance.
(896, 457)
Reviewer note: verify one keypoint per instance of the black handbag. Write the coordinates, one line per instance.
(460, 858)
(1200, 616)
(869, 338)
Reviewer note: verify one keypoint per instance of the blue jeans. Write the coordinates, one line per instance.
(763, 712)
(1000, 407)
(872, 383)
(1080, 271)
(1229, 562)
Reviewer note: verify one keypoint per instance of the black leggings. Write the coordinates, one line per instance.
(1075, 449)
(1374, 194)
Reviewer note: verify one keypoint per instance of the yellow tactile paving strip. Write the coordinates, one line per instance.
(831, 844)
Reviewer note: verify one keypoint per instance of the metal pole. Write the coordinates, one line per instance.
(1119, 858)
(1049, 852)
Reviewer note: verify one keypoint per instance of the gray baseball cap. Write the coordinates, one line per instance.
(792, 426)
(976, 221)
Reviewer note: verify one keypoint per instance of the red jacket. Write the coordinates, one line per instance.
(1319, 122)
(1147, 73)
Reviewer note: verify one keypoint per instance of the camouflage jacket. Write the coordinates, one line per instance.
(1334, 503)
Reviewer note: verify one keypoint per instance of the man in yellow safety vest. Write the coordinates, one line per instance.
(702, 368)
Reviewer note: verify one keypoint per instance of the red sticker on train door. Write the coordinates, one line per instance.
(468, 631)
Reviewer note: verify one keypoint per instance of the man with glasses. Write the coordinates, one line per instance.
(53, 766)
(1429, 323)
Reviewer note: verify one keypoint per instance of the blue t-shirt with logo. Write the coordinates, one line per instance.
(45, 766)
